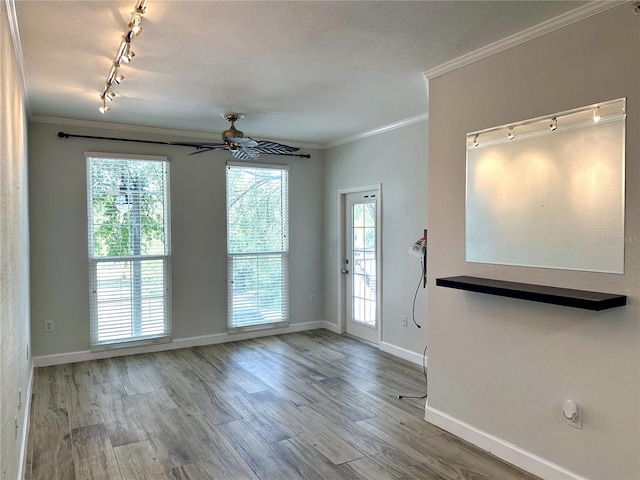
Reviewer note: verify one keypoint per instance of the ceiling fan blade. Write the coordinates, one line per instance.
(210, 145)
(208, 149)
(265, 146)
(246, 153)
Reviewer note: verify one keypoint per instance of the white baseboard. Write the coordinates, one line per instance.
(81, 356)
(500, 448)
(26, 420)
(332, 327)
(403, 353)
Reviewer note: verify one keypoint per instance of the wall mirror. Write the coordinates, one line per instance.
(549, 192)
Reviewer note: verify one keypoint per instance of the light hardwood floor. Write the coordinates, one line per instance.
(312, 405)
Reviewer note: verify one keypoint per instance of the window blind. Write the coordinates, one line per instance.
(129, 250)
(257, 245)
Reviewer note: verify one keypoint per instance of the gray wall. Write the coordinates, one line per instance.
(59, 266)
(504, 366)
(398, 160)
(15, 361)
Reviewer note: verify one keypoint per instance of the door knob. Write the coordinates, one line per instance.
(345, 271)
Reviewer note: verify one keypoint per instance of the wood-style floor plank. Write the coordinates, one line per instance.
(50, 436)
(138, 461)
(257, 453)
(306, 460)
(309, 405)
(93, 455)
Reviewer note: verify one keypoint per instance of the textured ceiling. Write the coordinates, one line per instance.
(309, 71)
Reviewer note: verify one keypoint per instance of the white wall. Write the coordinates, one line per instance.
(398, 160)
(15, 361)
(59, 266)
(504, 366)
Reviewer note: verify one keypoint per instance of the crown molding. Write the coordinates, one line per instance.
(12, 17)
(123, 127)
(376, 131)
(580, 13)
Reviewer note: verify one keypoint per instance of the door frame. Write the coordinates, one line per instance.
(342, 252)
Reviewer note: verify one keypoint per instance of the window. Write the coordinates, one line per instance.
(257, 245)
(128, 230)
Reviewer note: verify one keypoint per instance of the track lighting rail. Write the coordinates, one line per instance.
(124, 55)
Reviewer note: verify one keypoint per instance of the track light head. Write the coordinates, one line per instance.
(103, 108)
(135, 27)
(596, 114)
(128, 55)
(141, 7)
(118, 78)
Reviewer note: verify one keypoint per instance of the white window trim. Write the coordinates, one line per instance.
(93, 262)
(272, 325)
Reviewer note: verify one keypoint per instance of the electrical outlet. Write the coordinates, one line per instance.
(313, 299)
(48, 325)
(405, 321)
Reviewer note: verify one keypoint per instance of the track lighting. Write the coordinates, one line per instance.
(560, 123)
(124, 54)
(135, 27)
(127, 57)
(103, 108)
(141, 6)
(596, 114)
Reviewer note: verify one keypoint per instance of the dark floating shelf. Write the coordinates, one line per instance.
(536, 293)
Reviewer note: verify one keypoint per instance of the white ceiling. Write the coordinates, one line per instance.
(301, 71)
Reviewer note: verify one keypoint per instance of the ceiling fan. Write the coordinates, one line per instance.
(241, 147)
(244, 148)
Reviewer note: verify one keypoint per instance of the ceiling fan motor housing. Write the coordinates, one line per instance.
(231, 133)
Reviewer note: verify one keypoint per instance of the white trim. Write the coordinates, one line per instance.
(125, 156)
(403, 353)
(500, 448)
(567, 18)
(12, 17)
(214, 136)
(332, 327)
(26, 420)
(341, 216)
(376, 131)
(81, 356)
(233, 163)
(209, 136)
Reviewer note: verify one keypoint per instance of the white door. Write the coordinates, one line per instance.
(361, 265)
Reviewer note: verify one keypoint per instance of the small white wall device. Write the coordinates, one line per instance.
(572, 413)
